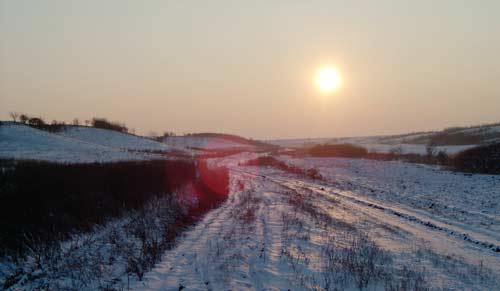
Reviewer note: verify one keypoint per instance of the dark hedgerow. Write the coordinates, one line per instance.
(338, 150)
(482, 159)
(49, 201)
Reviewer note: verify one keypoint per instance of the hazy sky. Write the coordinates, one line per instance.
(247, 67)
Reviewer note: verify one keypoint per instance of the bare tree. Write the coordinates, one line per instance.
(76, 121)
(87, 122)
(430, 149)
(14, 116)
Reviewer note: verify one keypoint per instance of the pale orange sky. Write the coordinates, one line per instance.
(247, 67)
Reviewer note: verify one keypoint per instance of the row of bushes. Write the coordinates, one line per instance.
(482, 159)
(338, 150)
(49, 200)
(54, 126)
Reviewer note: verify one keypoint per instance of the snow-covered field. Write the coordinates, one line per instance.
(76, 145)
(371, 225)
(368, 224)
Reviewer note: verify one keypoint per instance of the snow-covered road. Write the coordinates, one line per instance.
(278, 231)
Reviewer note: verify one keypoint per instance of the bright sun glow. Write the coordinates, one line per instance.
(327, 79)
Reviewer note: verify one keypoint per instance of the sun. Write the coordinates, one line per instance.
(327, 79)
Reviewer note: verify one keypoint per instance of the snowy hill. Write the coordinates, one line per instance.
(83, 144)
(451, 141)
(451, 136)
(77, 145)
(113, 139)
(213, 141)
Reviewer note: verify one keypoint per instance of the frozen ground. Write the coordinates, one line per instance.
(469, 201)
(368, 224)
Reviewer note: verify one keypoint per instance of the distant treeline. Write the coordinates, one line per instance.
(45, 202)
(55, 126)
(482, 159)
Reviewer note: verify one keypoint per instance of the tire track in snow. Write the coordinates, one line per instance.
(255, 261)
(414, 219)
(408, 217)
(182, 264)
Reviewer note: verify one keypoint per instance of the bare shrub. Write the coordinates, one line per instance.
(406, 279)
(358, 260)
(293, 227)
(152, 227)
(247, 207)
(304, 203)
